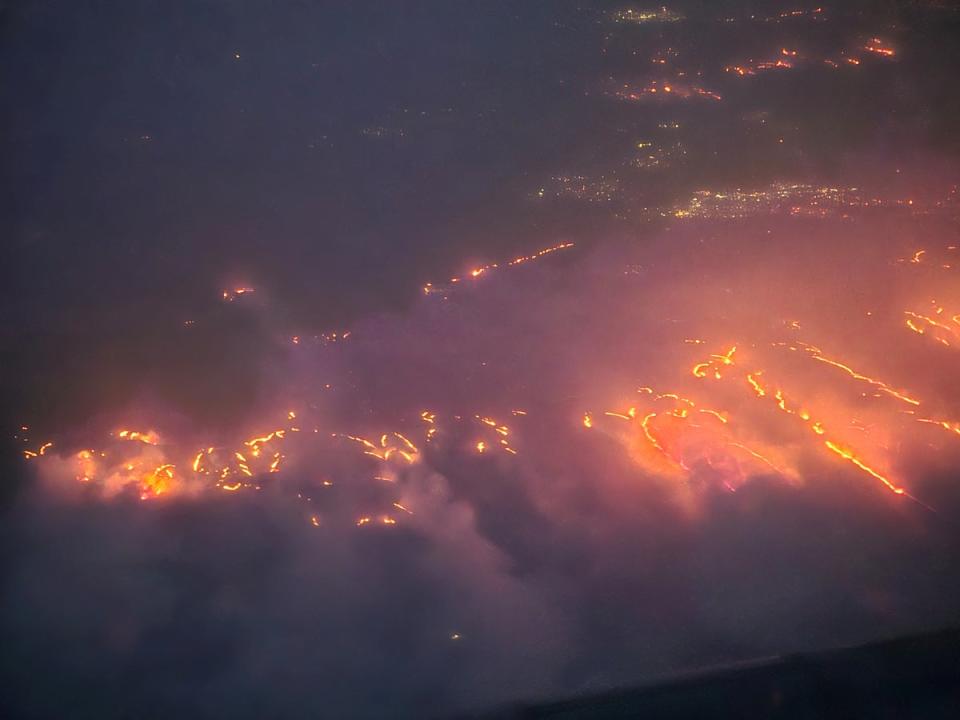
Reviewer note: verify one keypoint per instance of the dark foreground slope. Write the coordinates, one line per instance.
(915, 677)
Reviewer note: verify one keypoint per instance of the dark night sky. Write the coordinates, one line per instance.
(336, 156)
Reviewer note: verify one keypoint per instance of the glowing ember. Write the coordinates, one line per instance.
(237, 292)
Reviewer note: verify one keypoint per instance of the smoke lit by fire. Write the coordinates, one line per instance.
(686, 421)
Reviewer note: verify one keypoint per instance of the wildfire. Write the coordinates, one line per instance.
(714, 364)
(157, 482)
(233, 294)
(677, 90)
(939, 325)
(431, 288)
(816, 426)
(882, 386)
(752, 67)
(40, 451)
(387, 448)
(759, 407)
(148, 438)
(876, 46)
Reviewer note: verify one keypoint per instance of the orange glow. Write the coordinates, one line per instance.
(876, 46)
(148, 438)
(231, 295)
(849, 455)
(157, 482)
(882, 386)
(430, 288)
